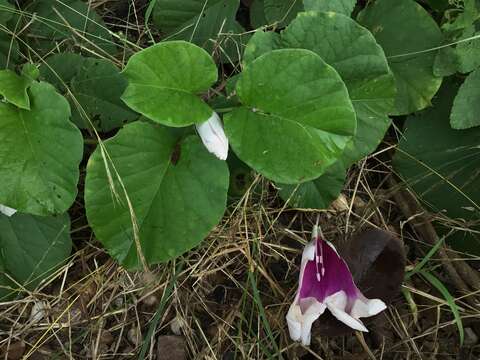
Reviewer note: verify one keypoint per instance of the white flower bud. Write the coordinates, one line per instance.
(213, 136)
(7, 210)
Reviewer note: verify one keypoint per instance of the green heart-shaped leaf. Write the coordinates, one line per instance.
(40, 151)
(164, 82)
(296, 117)
(358, 59)
(362, 65)
(177, 189)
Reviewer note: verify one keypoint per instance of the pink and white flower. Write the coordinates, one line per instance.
(327, 283)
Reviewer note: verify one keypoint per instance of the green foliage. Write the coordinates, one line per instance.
(7, 11)
(9, 51)
(362, 65)
(299, 106)
(466, 106)
(93, 86)
(406, 32)
(14, 89)
(281, 11)
(40, 151)
(257, 14)
(172, 74)
(441, 164)
(72, 20)
(209, 24)
(32, 248)
(449, 299)
(296, 117)
(339, 6)
(318, 193)
(177, 192)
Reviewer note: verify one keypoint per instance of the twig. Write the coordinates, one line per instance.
(412, 210)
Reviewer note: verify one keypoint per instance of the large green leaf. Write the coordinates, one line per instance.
(177, 189)
(441, 164)
(14, 88)
(466, 106)
(401, 28)
(339, 6)
(40, 151)
(95, 85)
(282, 11)
(362, 65)
(164, 82)
(32, 247)
(296, 117)
(318, 193)
(358, 59)
(205, 23)
(57, 20)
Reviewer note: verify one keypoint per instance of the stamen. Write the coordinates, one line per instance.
(318, 260)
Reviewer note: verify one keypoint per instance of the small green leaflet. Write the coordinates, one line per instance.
(14, 89)
(165, 81)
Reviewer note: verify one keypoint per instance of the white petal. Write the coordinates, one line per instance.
(307, 255)
(300, 323)
(363, 307)
(213, 137)
(337, 303)
(7, 210)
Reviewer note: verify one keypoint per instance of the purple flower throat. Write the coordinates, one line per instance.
(327, 274)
